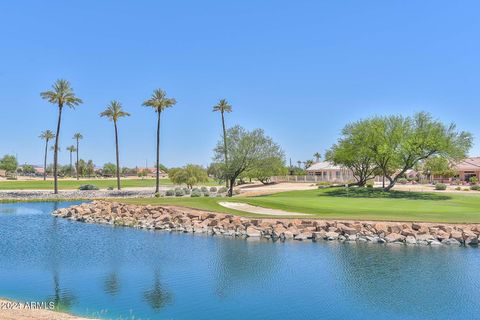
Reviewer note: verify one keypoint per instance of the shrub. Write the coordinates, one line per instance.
(466, 189)
(475, 187)
(110, 188)
(204, 189)
(195, 190)
(222, 190)
(186, 190)
(157, 195)
(369, 185)
(440, 186)
(458, 188)
(170, 193)
(206, 194)
(213, 189)
(402, 181)
(196, 193)
(88, 187)
(473, 180)
(179, 193)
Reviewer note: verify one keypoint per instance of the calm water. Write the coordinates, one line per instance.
(120, 273)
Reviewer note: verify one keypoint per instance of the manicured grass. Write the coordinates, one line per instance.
(74, 184)
(356, 205)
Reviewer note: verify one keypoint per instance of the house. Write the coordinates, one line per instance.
(152, 172)
(3, 174)
(470, 167)
(327, 171)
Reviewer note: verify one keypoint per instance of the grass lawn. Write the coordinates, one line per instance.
(358, 204)
(74, 184)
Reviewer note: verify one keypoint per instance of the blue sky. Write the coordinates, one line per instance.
(298, 69)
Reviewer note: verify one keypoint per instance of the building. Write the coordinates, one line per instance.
(327, 171)
(470, 167)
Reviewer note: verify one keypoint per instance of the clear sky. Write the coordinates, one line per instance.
(298, 69)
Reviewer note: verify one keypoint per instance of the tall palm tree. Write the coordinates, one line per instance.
(317, 156)
(77, 136)
(159, 102)
(71, 149)
(62, 95)
(222, 107)
(113, 113)
(46, 135)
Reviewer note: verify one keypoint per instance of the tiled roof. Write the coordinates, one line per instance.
(469, 164)
(323, 165)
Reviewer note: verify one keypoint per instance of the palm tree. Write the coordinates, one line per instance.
(71, 149)
(317, 156)
(159, 102)
(299, 163)
(77, 136)
(46, 135)
(61, 95)
(223, 107)
(113, 113)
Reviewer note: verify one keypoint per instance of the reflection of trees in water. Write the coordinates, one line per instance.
(111, 283)
(114, 248)
(240, 263)
(401, 278)
(63, 299)
(157, 296)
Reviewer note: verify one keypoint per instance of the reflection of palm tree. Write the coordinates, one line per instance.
(157, 297)
(111, 284)
(63, 300)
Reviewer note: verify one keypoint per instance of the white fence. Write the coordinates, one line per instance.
(307, 178)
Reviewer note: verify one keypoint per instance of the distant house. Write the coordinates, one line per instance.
(327, 171)
(3, 173)
(152, 172)
(470, 167)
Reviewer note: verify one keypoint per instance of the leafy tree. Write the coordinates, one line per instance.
(77, 137)
(190, 175)
(71, 149)
(216, 171)
(159, 102)
(351, 152)
(90, 168)
(438, 166)
(27, 169)
(61, 95)
(264, 170)
(114, 112)
(46, 135)
(82, 168)
(246, 150)
(223, 106)
(9, 163)
(317, 156)
(109, 169)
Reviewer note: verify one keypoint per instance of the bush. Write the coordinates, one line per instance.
(195, 190)
(196, 193)
(458, 188)
(213, 189)
(473, 180)
(88, 187)
(369, 185)
(206, 194)
(186, 190)
(110, 188)
(157, 195)
(402, 181)
(179, 193)
(323, 184)
(440, 186)
(475, 187)
(204, 189)
(466, 189)
(170, 193)
(222, 190)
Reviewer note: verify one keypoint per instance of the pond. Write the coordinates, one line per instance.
(122, 273)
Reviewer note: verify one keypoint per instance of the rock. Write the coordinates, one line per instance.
(472, 240)
(331, 235)
(301, 236)
(352, 237)
(457, 235)
(410, 240)
(317, 235)
(393, 237)
(287, 235)
(381, 227)
(416, 226)
(253, 232)
(451, 241)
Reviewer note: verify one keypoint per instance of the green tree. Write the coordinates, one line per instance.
(61, 95)
(82, 168)
(223, 106)
(190, 175)
(217, 171)
(246, 150)
(317, 156)
(9, 163)
(71, 149)
(28, 169)
(264, 170)
(114, 112)
(109, 169)
(90, 168)
(438, 166)
(159, 102)
(77, 137)
(46, 135)
(351, 152)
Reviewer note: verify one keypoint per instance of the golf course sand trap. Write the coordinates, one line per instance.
(259, 210)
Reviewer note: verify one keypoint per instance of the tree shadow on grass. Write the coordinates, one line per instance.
(380, 194)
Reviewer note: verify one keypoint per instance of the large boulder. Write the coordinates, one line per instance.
(253, 232)
(394, 237)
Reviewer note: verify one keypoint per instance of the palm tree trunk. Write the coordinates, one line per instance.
(76, 165)
(118, 158)
(45, 161)
(55, 151)
(71, 166)
(225, 147)
(157, 183)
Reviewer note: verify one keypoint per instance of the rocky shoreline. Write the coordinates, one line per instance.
(177, 219)
(74, 194)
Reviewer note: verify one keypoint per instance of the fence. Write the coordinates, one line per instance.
(307, 178)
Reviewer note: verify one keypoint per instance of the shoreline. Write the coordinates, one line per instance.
(171, 218)
(14, 310)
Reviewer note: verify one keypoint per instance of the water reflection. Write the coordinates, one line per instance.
(111, 283)
(157, 296)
